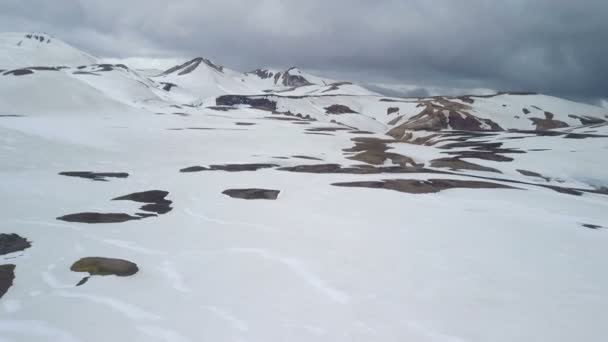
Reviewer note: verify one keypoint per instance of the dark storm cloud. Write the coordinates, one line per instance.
(551, 46)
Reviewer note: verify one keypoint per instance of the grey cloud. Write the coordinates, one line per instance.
(550, 46)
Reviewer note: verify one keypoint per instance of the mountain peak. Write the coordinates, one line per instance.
(192, 65)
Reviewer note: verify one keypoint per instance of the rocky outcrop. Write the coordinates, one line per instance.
(444, 115)
(192, 65)
(261, 103)
(11, 243)
(548, 122)
(96, 266)
(252, 194)
(95, 176)
(339, 109)
(417, 186)
(7, 275)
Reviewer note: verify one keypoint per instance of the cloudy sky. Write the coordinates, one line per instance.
(558, 47)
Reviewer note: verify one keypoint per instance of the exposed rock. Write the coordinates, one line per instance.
(252, 194)
(19, 72)
(155, 199)
(458, 164)
(261, 103)
(262, 73)
(288, 79)
(548, 122)
(415, 186)
(357, 170)
(11, 243)
(449, 115)
(526, 111)
(167, 86)
(588, 120)
(191, 65)
(97, 266)
(533, 174)
(95, 176)
(244, 123)
(229, 167)
(306, 157)
(95, 218)
(590, 226)
(335, 86)
(339, 109)
(392, 110)
(374, 151)
(7, 275)
(327, 129)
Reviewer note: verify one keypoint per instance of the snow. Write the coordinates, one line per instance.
(320, 263)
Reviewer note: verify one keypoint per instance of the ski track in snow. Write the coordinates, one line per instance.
(128, 310)
(160, 334)
(174, 276)
(299, 269)
(28, 330)
(236, 323)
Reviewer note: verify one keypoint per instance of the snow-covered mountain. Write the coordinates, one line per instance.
(199, 203)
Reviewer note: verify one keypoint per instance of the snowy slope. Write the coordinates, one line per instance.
(397, 219)
(38, 49)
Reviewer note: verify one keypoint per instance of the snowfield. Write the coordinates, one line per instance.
(397, 219)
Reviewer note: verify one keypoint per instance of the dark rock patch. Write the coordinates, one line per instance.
(548, 122)
(7, 275)
(95, 176)
(192, 65)
(327, 129)
(414, 186)
(314, 133)
(357, 170)
(244, 123)
(155, 200)
(11, 116)
(481, 155)
(221, 108)
(590, 226)
(11, 243)
(229, 167)
(252, 194)
(526, 111)
(262, 73)
(167, 86)
(375, 151)
(458, 164)
(96, 266)
(96, 218)
(19, 72)
(588, 120)
(533, 174)
(306, 157)
(78, 72)
(392, 110)
(361, 132)
(281, 118)
(261, 103)
(339, 109)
